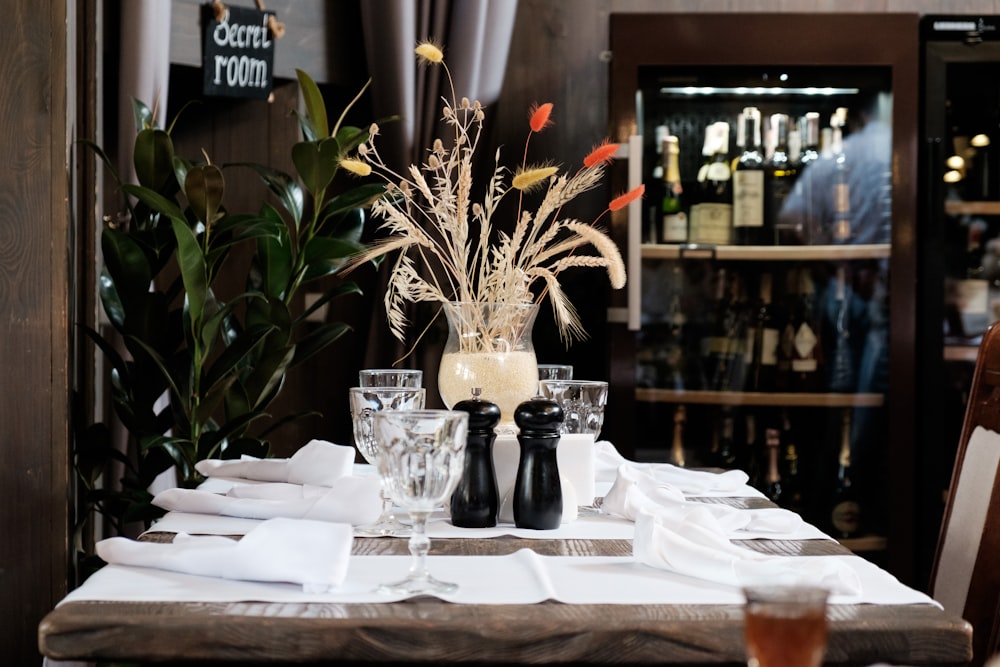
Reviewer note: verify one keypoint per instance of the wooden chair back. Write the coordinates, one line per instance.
(965, 577)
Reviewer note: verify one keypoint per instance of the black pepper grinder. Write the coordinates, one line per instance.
(538, 502)
(475, 502)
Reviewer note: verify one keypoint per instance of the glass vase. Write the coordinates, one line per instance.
(489, 346)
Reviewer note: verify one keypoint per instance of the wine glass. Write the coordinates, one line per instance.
(365, 403)
(421, 460)
(390, 377)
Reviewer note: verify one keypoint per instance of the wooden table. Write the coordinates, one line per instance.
(431, 631)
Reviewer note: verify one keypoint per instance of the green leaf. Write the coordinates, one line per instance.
(325, 256)
(288, 419)
(316, 162)
(157, 361)
(108, 164)
(350, 138)
(153, 158)
(193, 272)
(108, 349)
(343, 289)
(352, 202)
(234, 449)
(235, 355)
(315, 107)
(203, 187)
(142, 115)
(126, 264)
(284, 187)
(274, 255)
(157, 202)
(317, 340)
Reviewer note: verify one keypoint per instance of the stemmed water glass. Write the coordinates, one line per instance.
(422, 453)
(365, 403)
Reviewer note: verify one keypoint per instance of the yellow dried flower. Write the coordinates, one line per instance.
(355, 166)
(429, 52)
(526, 179)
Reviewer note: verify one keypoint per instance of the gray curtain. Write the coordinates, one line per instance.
(475, 36)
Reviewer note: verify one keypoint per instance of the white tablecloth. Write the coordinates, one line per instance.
(524, 577)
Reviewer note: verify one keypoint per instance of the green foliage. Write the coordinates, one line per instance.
(220, 364)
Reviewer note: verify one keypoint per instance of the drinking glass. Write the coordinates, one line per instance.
(555, 372)
(390, 377)
(785, 626)
(582, 402)
(365, 403)
(421, 460)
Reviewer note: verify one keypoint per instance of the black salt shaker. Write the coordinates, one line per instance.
(538, 502)
(475, 502)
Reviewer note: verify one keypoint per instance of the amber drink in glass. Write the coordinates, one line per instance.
(785, 626)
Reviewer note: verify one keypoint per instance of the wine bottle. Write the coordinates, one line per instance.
(791, 482)
(807, 362)
(763, 342)
(846, 511)
(728, 458)
(750, 458)
(674, 227)
(843, 374)
(715, 205)
(675, 352)
(715, 343)
(749, 224)
(786, 335)
(653, 216)
(677, 454)
(841, 232)
(810, 140)
(772, 481)
(780, 174)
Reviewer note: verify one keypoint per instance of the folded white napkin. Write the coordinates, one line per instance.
(687, 545)
(607, 460)
(317, 462)
(353, 500)
(639, 490)
(312, 553)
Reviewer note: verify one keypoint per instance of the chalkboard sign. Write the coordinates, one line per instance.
(237, 53)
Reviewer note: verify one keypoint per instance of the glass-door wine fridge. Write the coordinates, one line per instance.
(769, 321)
(959, 281)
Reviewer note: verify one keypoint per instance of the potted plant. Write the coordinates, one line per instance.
(194, 372)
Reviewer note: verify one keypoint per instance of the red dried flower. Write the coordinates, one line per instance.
(624, 200)
(540, 116)
(601, 153)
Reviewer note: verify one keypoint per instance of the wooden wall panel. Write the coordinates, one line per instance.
(34, 340)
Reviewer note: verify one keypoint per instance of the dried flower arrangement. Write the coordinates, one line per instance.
(427, 213)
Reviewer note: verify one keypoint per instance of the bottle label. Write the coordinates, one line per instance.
(718, 171)
(714, 225)
(805, 342)
(675, 228)
(846, 517)
(769, 348)
(748, 198)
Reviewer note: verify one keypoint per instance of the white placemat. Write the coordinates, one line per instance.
(520, 578)
(592, 527)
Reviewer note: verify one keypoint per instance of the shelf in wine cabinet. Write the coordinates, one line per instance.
(764, 253)
(784, 399)
(961, 353)
(957, 207)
